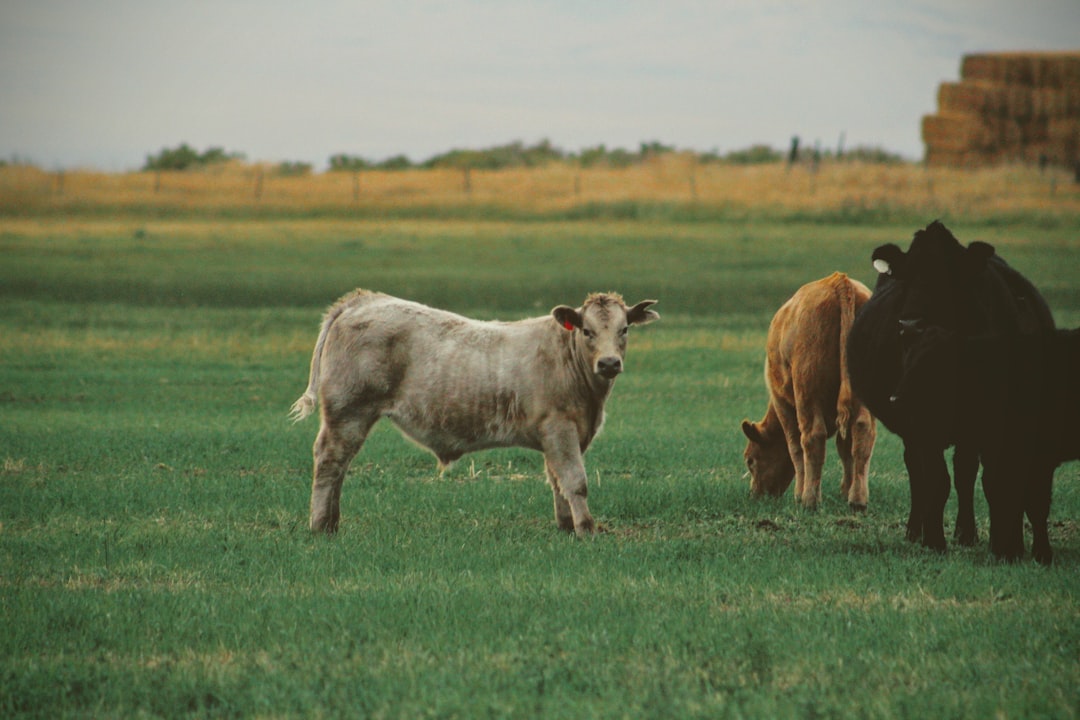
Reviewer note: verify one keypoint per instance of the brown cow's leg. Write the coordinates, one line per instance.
(844, 448)
(335, 447)
(564, 517)
(789, 421)
(855, 447)
(814, 436)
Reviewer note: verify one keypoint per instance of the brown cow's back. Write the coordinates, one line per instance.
(810, 394)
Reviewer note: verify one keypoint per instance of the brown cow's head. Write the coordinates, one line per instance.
(768, 460)
(602, 324)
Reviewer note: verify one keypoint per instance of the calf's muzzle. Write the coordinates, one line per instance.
(609, 367)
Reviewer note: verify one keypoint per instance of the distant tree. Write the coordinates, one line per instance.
(590, 157)
(514, 154)
(542, 153)
(601, 156)
(214, 155)
(868, 154)
(179, 158)
(654, 148)
(754, 155)
(293, 169)
(348, 163)
(454, 159)
(183, 157)
(397, 162)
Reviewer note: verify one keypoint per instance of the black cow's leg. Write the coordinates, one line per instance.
(1000, 486)
(915, 485)
(937, 495)
(929, 480)
(965, 471)
(1038, 490)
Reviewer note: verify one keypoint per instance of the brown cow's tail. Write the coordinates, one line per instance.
(305, 404)
(845, 293)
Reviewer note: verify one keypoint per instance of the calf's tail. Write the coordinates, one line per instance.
(846, 295)
(305, 404)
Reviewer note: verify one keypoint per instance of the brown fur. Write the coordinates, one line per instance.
(810, 397)
(455, 385)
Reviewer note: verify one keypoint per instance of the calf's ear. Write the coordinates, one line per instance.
(640, 314)
(750, 430)
(888, 259)
(568, 317)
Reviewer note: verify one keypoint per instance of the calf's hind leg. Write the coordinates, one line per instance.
(335, 447)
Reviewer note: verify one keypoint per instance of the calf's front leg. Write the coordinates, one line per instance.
(566, 473)
(564, 516)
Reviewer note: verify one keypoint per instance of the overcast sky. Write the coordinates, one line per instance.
(103, 83)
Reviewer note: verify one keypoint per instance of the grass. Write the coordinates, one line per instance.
(154, 556)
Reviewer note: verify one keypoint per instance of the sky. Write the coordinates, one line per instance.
(102, 84)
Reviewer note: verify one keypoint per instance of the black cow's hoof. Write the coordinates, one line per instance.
(938, 546)
(967, 537)
(1010, 557)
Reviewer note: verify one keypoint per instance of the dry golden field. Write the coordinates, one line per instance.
(673, 180)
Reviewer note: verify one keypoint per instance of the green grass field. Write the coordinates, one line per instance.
(154, 552)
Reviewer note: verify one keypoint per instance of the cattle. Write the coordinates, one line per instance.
(810, 397)
(1026, 428)
(455, 385)
(970, 291)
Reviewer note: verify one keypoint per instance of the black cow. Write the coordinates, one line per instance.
(1027, 426)
(968, 291)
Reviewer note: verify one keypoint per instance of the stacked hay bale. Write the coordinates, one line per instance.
(1008, 107)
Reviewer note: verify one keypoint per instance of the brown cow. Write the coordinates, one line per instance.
(455, 385)
(810, 397)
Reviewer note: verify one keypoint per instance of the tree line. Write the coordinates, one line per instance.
(510, 155)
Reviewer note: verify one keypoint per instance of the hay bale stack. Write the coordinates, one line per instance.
(1008, 107)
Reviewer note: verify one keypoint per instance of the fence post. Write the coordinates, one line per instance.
(793, 154)
(356, 186)
(258, 183)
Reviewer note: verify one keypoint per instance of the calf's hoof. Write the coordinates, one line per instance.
(857, 507)
(326, 526)
(566, 524)
(586, 528)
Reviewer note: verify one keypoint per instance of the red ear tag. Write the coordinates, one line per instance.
(568, 325)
